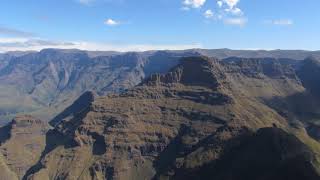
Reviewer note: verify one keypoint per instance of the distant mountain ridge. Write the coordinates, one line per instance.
(44, 83)
(218, 53)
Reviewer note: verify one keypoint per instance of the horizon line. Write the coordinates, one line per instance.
(141, 51)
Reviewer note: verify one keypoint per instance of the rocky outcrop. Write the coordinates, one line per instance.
(25, 141)
(273, 68)
(80, 104)
(309, 73)
(195, 71)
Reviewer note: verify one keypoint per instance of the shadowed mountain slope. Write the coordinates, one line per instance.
(81, 103)
(270, 153)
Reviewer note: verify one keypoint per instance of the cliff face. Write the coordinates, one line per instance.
(309, 73)
(194, 71)
(174, 125)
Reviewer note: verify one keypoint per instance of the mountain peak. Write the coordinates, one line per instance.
(192, 71)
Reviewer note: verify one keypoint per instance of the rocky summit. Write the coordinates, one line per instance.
(205, 118)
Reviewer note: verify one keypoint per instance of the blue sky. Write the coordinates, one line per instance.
(126, 25)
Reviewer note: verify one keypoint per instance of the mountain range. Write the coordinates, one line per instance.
(45, 83)
(193, 114)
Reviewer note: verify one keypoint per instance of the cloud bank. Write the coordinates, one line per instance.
(226, 11)
(194, 3)
(25, 44)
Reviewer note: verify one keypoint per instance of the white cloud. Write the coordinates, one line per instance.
(229, 12)
(236, 21)
(25, 44)
(111, 22)
(231, 3)
(194, 3)
(235, 11)
(232, 7)
(208, 14)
